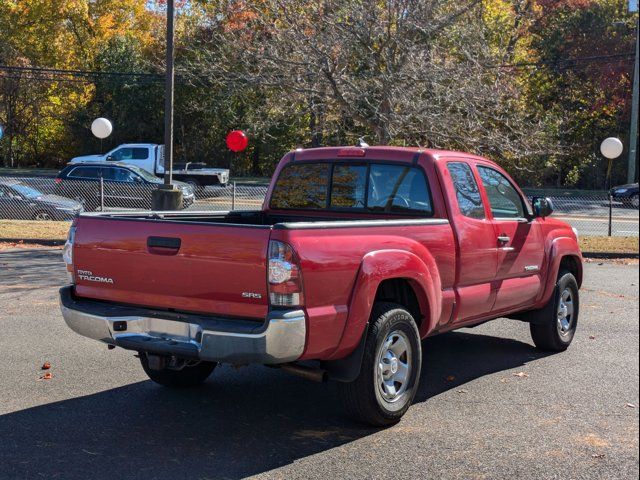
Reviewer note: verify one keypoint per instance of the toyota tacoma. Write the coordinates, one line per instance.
(355, 256)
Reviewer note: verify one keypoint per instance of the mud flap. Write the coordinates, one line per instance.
(348, 368)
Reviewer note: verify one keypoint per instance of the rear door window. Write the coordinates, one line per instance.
(130, 153)
(467, 192)
(85, 172)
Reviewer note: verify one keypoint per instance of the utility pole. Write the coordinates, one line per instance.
(167, 197)
(633, 133)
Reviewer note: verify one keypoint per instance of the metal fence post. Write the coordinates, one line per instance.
(233, 197)
(101, 194)
(610, 214)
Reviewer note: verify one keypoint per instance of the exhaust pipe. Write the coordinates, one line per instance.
(314, 374)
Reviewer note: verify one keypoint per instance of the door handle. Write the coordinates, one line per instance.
(503, 239)
(163, 245)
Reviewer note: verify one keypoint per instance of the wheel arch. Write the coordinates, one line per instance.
(572, 264)
(563, 253)
(407, 293)
(392, 275)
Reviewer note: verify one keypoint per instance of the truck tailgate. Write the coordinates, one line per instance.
(193, 267)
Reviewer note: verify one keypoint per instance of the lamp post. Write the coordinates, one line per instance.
(633, 129)
(166, 196)
(611, 148)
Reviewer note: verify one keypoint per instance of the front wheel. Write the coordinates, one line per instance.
(390, 372)
(42, 215)
(635, 201)
(555, 325)
(190, 375)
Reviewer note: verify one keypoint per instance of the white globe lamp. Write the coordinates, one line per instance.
(101, 128)
(611, 148)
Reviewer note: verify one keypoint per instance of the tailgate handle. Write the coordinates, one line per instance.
(163, 245)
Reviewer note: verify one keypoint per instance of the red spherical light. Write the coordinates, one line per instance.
(237, 141)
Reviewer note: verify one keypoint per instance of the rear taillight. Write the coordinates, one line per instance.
(58, 181)
(285, 278)
(67, 251)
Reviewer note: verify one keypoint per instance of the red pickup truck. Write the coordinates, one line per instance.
(356, 255)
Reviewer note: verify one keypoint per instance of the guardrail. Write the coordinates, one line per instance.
(42, 199)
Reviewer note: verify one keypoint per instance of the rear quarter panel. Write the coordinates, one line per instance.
(332, 260)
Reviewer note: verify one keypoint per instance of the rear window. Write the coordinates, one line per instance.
(364, 187)
(302, 186)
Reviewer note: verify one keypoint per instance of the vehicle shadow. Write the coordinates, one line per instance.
(237, 424)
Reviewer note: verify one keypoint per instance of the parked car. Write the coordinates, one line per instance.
(627, 194)
(356, 255)
(150, 157)
(24, 202)
(125, 186)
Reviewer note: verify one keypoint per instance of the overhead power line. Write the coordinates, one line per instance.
(562, 61)
(46, 74)
(79, 73)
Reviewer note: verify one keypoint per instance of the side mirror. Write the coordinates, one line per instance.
(109, 158)
(542, 207)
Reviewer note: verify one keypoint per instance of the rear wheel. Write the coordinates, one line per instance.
(554, 326)
(189, 375)
(193, 182)
(635, 202)
(390, 371)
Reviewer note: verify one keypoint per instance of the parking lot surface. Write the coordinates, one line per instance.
(490, 404)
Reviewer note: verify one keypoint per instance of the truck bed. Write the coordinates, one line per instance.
(209, 263)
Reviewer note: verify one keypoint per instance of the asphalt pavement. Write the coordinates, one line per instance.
(490, 405)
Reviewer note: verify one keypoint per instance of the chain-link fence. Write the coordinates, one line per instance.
(38, 198)
(598, 215)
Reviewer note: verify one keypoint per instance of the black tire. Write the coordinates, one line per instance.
(548, 331)
(43, 215)
(188, 376)
(364, 398)
(635, 201)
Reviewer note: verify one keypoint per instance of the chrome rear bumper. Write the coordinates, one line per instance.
(280, 339)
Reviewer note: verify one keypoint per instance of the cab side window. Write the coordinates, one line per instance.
(467, 191)
(504, 199)
(129, 153)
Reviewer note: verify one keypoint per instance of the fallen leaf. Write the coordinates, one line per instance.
(521, 375)
(598, 455)
(46, 366)
(47, 376)
(462, 390)
(630, 405)
(450, 378)
(592, 337)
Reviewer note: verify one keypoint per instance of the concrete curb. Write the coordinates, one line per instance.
(34, 241)
(610, 256)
